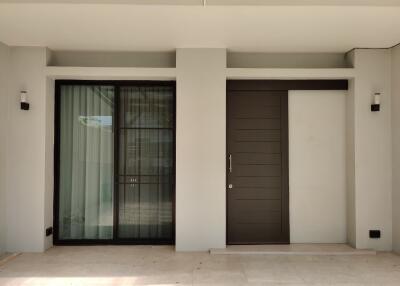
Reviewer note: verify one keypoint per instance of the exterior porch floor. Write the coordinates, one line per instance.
(161, 265)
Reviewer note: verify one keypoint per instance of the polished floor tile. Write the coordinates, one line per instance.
(161, 265)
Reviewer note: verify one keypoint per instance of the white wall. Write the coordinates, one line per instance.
(112, 59)
(287, 60)
(200, 145)
(317, 166)
(4, 95)
(373, 149)
(49, 160)
(350, 167)
(26, 152)
(396, 145)
(200, 188)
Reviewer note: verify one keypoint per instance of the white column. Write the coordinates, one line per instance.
(372, 149)
(26, 170)
(396, 146)
(201, 148)
(4, 98)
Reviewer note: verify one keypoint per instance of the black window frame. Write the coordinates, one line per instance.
(56, 206)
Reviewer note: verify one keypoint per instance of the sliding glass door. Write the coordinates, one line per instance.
(146, 166)
(114, 162)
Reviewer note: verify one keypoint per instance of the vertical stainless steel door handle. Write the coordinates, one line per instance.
(230, 163)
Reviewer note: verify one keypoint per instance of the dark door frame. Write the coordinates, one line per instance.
(275, 85)
(115, 240)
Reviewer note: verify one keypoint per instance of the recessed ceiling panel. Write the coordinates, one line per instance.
(164, 28)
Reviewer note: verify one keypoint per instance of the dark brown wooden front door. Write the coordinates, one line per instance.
(257, 166)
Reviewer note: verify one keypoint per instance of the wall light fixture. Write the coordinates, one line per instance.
(23, 98)
(376, 102)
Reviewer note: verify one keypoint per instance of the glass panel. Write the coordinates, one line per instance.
(129, 211)
(147, 107)
(148, 211)
(147, 125)
(166, 152)
(132, 149)
(149, 152)
(165, 210)
(121, 150)
(86, 162)
(130, 107)
(166, 108)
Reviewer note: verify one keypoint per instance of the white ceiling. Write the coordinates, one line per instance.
(222, 2)
(263, 28)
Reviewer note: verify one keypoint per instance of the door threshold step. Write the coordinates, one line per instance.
(292, 249)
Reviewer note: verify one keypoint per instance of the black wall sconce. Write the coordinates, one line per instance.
(24, 103)
(376, 102)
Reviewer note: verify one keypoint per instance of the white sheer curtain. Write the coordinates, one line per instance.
(86, 162)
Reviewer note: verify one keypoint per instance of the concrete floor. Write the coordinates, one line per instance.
(146, 265)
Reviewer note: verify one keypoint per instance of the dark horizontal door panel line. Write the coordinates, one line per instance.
(255, 129)
(285, 85)
(262, 188)
(136, 183)
(143, 175)
(259, 164)
(253, 152)
(257, 152)
(255, 176)
(255, 117)
(256, 187)
(146, 128)
(263, 223)
(261, 141)
(260, 200)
